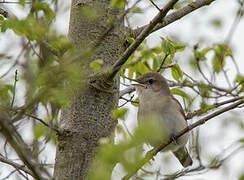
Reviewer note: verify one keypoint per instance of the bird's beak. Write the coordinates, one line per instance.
(137, 83)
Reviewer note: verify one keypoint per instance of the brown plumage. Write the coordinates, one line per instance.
(157, 105)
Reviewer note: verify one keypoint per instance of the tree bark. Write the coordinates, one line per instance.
(88, 117)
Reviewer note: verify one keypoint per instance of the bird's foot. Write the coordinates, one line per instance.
(173, 139)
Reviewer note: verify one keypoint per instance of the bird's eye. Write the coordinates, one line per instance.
(150, 81)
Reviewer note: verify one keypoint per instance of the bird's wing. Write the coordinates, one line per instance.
(179, 107)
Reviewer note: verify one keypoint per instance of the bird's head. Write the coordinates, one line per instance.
(150, 83)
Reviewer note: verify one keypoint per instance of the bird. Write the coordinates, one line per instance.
(157, 105)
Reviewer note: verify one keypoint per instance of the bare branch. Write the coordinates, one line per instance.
(15, 82)
(4, 13)
(14, 2)
(155, 5)
(31, 116)
(174, 16)
(154, 151)
(216, 105)
(43, 122)
(128, 90)
(144, 33)
(16, 165)
(20, 148)
(15, 61)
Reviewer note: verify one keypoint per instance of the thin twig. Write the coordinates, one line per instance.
(216, 105)
(31, 116)
(16, 165)
(128, 90)
(14, 91)
(43, 122)
(3, 13)
(14, 2)
(162, 63)
(155, 5)
(128, 100)
(15, 61)
(16, 142)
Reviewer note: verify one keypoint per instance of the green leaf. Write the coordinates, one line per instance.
(205, 107)
(179, 47)
(216, 22)
(241, 140)
(147, 53)
(218, 64)
(155, 64)
(135, 104)
(62, 44)
(6, 92)
(96, 64)
(40, 131)
(30, 27)
(240, 79)
(118, 3)
(1, 18)
(157, 50)
(130, 40)
(181, 93)
(221, 52)
(204, 89)
(119, 113)
(50, 15)
(241, 177)
(131, 72)
(201, 55)
(142, 68)
(168, 47)
(176, 72)
(136, 10)
(22, 2)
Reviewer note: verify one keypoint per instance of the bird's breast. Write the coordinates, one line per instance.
(162, 113)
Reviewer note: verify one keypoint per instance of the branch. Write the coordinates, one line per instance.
(144, 33)
(31, 116)
(154, 151)
(43, 122)
(16, 165)
(4, 13)
(176, 15)
(162, 63)
(15, 83)
(128, 90)
(14, 139)
(14, 2)
(216, 105)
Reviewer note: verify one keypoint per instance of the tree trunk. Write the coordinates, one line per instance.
(88, 118)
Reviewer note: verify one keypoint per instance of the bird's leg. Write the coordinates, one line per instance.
(172, 137)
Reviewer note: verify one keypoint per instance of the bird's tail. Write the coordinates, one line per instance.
(183, 156)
